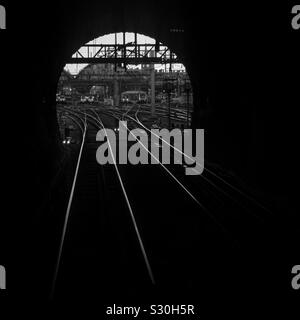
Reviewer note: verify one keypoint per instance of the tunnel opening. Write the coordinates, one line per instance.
(125, 72)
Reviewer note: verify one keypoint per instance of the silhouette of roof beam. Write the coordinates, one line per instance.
(129, 53)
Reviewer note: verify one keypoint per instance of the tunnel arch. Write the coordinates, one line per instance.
(163, 40)
(174, 68)
(176, 43)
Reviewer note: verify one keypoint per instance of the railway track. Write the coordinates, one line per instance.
(135, 231)
(89, 229)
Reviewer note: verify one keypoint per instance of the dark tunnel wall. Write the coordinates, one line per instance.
(231, 54)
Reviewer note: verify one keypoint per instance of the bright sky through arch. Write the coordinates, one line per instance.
(110, 39)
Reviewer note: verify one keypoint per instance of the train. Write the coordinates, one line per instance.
(134, 96)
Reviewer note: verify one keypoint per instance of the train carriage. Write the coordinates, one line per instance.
(134, 96)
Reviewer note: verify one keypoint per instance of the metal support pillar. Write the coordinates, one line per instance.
(116, 93)
(152, 90)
